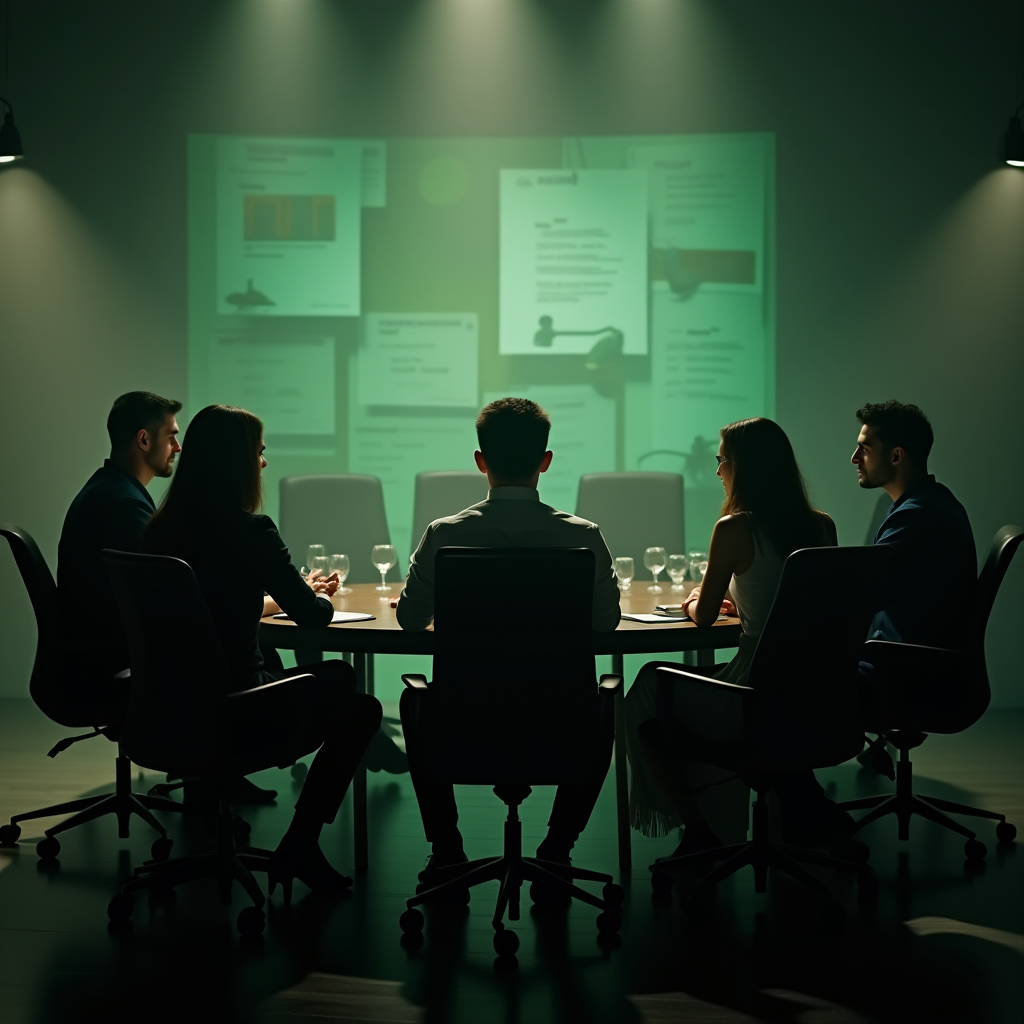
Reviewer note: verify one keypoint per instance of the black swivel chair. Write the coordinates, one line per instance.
(52, 687)
(514, 704)
(799, 709)
(174, 721)
(911, 724)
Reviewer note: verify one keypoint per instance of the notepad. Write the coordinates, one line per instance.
(651, 617)
(338, 616)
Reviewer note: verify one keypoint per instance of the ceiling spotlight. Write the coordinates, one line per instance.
(1013, 149)
(10, 137)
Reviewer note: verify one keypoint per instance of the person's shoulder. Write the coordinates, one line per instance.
(576, 522)
(735, 524)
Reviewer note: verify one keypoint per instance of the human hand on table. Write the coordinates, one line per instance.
(728, 608)
(324, 585)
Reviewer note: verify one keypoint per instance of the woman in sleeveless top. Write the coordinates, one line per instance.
(766, 516)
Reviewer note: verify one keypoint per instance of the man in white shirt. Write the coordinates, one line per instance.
(513, 437)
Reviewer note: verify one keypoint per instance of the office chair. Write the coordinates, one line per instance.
(52, 688)
(513, 704)
(635, 511)
(910, 725)
(173, 721)
(799, 711)
(443, 493)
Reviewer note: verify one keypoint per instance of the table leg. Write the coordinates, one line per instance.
(705, 657)
(360, 843)
(621, 771)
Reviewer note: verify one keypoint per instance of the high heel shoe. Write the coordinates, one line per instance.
(309, 866)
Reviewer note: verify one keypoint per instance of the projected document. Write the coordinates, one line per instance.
(582, 437)
(707, 205)
(708, 368)
(288, 226)
(374, 173)
(288, 381)
(419, 359)
(573, 261)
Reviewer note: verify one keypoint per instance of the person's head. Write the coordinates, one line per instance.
(760, 475)
(513, 438)
(220, 465)
(144, 433)
(894, 443)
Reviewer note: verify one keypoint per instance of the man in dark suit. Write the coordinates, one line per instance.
(111, 511)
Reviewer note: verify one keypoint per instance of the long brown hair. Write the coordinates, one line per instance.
(218, 468)
(768, 483)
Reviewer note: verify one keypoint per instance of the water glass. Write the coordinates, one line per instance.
(339, 564)
(677, 565)
(702, 568)
(313, 551)
(624, 570)
(383, 556)
(655, 559)
(695, 558)
(321, 562)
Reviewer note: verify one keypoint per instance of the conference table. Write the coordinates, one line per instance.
(383, 635)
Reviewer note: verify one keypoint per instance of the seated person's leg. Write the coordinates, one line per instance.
(436, 799)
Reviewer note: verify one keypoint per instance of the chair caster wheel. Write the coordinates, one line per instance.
(299, 770)
(120, 908)
(661, 882)
(506, 942)
(1005, 832)
(48, 848)
(609, 922)
(411, 922)
(867, 889)
(10, 834)
(974, 849)
(161, 848)
(613, 894)
(251, 921)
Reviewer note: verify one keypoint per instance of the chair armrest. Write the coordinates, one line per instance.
(280, 687)
(611, 683)
(294, 699)
(669, 676)
(415, 681)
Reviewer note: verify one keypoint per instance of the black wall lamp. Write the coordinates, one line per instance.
(10, 138)
(1013, 148)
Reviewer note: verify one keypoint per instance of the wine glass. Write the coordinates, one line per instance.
(339, 564)
(702, 568)
(313, 551)
(383, 556)
(655, 559)
(677, 570)
(695, 558)
(320, 562)
(624, 570)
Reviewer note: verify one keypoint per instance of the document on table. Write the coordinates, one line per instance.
(338, 617)
(274, 375)
(288, 225)
(651, 617)
(573, 261)
(419, 359)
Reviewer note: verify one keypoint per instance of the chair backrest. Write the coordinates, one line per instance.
(805, 666)
(443, 493)
(342, 511)
(514, 696)
(42, 592)
(179, 671)
(635, 511)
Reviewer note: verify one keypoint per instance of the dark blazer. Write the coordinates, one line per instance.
(237, 558)
(110, 511)
(932, 544)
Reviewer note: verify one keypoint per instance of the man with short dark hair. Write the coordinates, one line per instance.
(513, 436)
(926, 527)
(111, 511)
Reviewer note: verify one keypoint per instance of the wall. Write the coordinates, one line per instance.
(901, 240)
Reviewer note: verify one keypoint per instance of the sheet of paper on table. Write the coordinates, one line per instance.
(652, 617)
(338, 616)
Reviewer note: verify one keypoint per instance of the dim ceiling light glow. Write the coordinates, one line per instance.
(10, 138)
(1013, 149)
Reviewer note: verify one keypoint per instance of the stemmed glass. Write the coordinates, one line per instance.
(624, 570)
(677, 570)
(320, 562)
(312, 552)
(339, 564)
(702, 568)
(695, 558)
(384, 556)
(655, 559)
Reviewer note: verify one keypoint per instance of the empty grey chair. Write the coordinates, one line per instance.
(443, 493)
(635, 511)
(342, 511)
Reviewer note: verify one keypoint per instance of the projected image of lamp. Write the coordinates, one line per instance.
(546, 333)
(11, 148)
(1013, 147)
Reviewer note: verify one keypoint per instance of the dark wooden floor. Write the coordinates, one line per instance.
(944, 944)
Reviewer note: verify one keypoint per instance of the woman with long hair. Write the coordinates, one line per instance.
(210, 519)
(766, 516)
